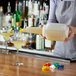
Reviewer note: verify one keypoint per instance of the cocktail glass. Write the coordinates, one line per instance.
(6, 36)
(18, 44)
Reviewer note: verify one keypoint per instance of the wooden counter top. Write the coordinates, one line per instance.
(32, 66)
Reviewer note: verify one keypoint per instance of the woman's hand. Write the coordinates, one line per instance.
(71, 33)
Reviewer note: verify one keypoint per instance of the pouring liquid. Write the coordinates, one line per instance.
(58, 34)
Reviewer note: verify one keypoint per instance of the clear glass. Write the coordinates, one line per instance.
(6, 36)
(18, 42)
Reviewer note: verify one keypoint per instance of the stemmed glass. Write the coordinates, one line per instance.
(6, 36)
(18, 43)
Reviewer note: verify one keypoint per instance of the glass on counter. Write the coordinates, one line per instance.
(18, 42)
(6, 36)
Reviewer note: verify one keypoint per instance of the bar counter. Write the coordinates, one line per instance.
(32, 66)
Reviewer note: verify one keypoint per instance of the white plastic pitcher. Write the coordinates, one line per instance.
(56, 31)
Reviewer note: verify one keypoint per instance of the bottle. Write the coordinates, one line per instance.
(48, 44)
(25, 23)
(36, 8)
(8, 17)
(36, 13)
(17, 16)
(52, 45)
(41, 14)
(30, 8)
(43, 44)
(25, 19)
(44, 16)
(23, 11)
(46, 7)
(1, 16)
(31, 21)
(52, 31)
(20, 7)
(56, 31)
(32, 41)
(26, 11)
(32, 37)
(38, 42)
(9, 9)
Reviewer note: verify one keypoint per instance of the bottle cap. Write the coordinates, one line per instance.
(1, 8)
(8, 3)
(17, 2)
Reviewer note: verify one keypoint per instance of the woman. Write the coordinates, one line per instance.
(64, 11)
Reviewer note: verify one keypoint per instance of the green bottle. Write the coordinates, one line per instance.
(16, 17)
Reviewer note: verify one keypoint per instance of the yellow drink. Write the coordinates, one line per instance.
(18, 44)
(35, 30)
(6, 35)
(55, 35)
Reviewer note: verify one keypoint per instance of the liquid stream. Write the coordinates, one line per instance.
(56, 35)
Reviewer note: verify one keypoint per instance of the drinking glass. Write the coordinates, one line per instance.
(18, 43)
(6, 36)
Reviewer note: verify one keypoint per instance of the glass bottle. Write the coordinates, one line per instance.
(8, 9)
(17, 16)
(23, 10)
(32, 41)
(1, 17)
(26, 10)
(38, 42)
(8, 17)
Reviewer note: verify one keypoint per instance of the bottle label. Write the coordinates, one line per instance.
(47, 43)
(29, 22)
(7, 20)
(38, 42)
